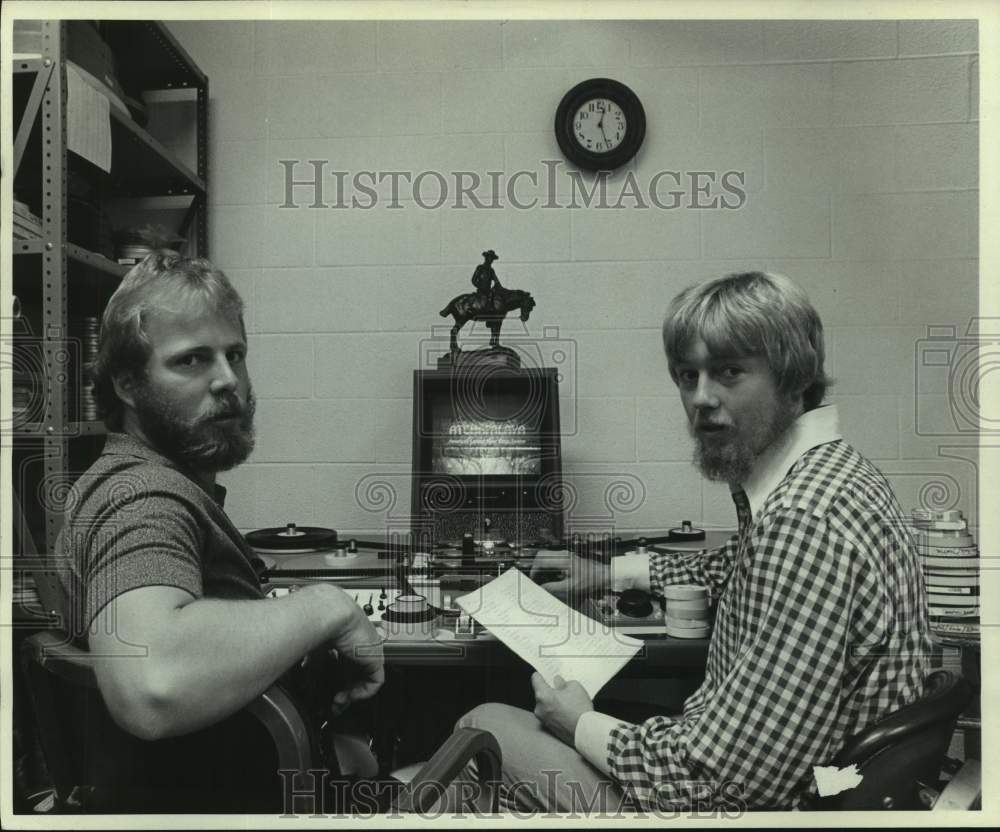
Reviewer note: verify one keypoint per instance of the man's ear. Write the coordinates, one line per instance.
(798, 399)
(125, 388)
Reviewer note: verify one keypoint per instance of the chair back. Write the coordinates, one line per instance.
(903, 751)
(76, 733)
(75, 729)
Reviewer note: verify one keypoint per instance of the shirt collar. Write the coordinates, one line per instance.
(124, 444)
(812, 428)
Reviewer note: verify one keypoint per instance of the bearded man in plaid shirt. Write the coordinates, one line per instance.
(821, 618)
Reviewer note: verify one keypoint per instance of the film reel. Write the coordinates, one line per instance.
(292, 539)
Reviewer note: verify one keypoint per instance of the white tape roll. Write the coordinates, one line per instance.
(681, 632)
(410, 603)
(687, 609)
(685, 623)
(685, 592)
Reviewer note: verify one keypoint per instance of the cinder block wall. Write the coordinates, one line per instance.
(859, 144)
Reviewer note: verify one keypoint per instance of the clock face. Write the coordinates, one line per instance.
(600, 125)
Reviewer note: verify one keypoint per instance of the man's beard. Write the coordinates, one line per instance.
(204, 445)
(732, 459)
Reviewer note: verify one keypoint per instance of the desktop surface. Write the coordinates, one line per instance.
(371, 578)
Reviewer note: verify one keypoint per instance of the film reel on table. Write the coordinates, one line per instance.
(293, 553)
(292, 539)
(281, 543)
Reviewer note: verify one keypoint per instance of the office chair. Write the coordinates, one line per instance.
(900, 756)
(70, 715)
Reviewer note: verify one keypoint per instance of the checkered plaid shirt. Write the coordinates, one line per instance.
(820, 629)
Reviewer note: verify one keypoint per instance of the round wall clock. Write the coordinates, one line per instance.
(600, 124)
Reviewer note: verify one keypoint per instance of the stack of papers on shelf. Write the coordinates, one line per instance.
(26, 225)
(88, 117)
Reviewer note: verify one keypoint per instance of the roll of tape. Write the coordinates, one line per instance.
(946, 538)
(682, 632)
(685, 592)
(409, 617)
(409, 603)
(687, 609)
(685, 623)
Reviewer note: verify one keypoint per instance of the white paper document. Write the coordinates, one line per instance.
(549, 635)
(88, 120)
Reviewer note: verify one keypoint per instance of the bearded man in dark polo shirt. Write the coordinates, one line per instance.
(160, 583)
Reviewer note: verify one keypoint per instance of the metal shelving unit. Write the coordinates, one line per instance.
(75, 254)
(58, 273)
(59, 281)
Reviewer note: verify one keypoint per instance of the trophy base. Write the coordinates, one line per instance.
(503, 357)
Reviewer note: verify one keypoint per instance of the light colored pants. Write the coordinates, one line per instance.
(540, 773)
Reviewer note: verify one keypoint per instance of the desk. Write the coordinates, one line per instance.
(431, 683)
(367, 572)
(659, 654)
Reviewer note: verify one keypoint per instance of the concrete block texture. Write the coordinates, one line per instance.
(856, 143)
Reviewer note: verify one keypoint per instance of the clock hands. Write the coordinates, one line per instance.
(607, 141)
(600, 126)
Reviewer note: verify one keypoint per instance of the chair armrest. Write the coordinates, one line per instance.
(448, 762)
(964, 790)
(53, 651)
(944, 698)
(283, 720)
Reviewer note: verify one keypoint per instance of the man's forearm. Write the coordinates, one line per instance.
(709, 567)
(225, 650)
(210, 657)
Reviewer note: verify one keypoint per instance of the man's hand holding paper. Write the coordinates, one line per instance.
(560, 706)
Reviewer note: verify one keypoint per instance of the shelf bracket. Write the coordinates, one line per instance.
(192, 211)
(31, 111)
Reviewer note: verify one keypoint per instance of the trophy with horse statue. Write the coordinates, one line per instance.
(490, 303)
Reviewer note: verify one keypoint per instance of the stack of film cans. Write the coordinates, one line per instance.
(950, 561)
(88, 403)
(686, 613)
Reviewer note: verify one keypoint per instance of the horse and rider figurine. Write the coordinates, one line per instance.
(490, 303)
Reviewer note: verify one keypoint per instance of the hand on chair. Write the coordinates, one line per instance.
(360, 644)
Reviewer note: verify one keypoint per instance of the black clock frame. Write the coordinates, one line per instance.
(635, 124)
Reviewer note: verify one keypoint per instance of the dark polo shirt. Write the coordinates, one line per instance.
(136, 519)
